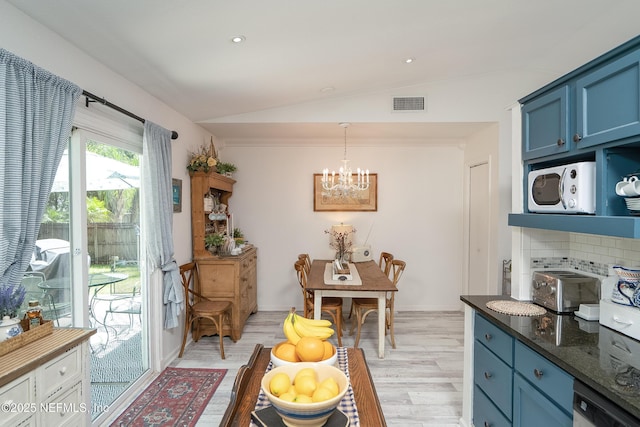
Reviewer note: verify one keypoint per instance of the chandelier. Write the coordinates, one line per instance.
(344, 185)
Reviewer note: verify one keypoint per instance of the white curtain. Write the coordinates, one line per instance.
(158, 209)
(36, 113)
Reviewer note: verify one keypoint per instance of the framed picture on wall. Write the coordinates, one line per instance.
(176, 194)
(366, 200)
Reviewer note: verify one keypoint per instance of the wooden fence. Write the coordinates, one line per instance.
(105, 240)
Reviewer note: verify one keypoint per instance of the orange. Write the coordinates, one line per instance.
(328, 350)
(287, 351)
(310, 349)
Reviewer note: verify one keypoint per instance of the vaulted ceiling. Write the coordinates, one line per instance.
(298, 52)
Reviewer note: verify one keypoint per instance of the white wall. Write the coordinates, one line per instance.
(419, 217)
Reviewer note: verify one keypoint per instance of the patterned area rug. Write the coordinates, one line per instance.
(176, 398)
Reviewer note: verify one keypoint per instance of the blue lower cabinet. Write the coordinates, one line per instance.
(494, 377)
(550, 379)
(485, 414)
(533, 409)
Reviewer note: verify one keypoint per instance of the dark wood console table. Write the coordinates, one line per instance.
(247, 387)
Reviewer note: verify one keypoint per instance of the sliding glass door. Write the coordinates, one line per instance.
(91, 252)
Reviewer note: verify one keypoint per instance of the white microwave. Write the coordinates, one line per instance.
(569, 188)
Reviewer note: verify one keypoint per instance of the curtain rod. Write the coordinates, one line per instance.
(94, 98)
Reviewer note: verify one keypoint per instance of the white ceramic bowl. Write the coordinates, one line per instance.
(306, 414)
(628, 274)
(333, 360)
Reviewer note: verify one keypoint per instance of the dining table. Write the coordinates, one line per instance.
(246, 389)
(371, 282)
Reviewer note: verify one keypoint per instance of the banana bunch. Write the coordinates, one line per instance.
(296, 327)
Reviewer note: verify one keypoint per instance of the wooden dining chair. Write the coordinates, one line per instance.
(363, 306)
(240, 386)
(330, 305)
(200, 307)
(385, 266)
(385, 262)
(307, 262)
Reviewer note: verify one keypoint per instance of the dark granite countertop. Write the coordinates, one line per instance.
(594, 354)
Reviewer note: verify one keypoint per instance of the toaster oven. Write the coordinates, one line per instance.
(564, 291)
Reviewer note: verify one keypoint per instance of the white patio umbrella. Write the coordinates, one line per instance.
(103, 173)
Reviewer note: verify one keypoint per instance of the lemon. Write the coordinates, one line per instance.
(303, 398)
(330, 384)
(304, 373)
(279, 384)
(289, 396)
(306, 385)
(321, 394)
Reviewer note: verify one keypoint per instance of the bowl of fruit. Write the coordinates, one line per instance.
(306, 342)
(305, 393)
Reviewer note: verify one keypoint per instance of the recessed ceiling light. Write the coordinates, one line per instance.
(238, 39)
(409, 60)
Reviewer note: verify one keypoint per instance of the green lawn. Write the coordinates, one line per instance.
(123, 287)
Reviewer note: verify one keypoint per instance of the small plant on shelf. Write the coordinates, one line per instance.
(238, 236)
(11, 298)
(214, 242)
(226, 168)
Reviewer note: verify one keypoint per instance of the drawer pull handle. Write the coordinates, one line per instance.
(63, 370)
(487, 337)
(538, 373)
(487, 375)
(617, 320)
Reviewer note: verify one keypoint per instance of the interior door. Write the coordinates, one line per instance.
(479, 235)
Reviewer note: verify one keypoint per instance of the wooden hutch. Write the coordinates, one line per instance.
(221, 278)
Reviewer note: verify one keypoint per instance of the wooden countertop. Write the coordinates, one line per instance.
(25, 359)
(247, 387)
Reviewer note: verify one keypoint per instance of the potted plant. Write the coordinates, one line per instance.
(11, 298)
(213, 242)
(224, 168)
(238, 236)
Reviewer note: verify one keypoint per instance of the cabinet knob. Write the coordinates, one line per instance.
(538, 373)
(487, 337)
(486, 424)
(63, 370)
(487, 375)
(577, 138)
(560, 142)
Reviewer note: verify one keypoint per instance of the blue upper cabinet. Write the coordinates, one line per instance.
(590, 114)
(608, 103)
(545, 124)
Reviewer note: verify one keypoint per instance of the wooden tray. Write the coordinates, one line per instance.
(8, 345)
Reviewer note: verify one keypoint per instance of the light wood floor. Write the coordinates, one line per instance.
(418, 384)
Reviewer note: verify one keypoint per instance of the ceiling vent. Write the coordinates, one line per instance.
(408, 103)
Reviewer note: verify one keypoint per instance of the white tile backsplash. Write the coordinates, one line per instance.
(590, 253)
(584, 252)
